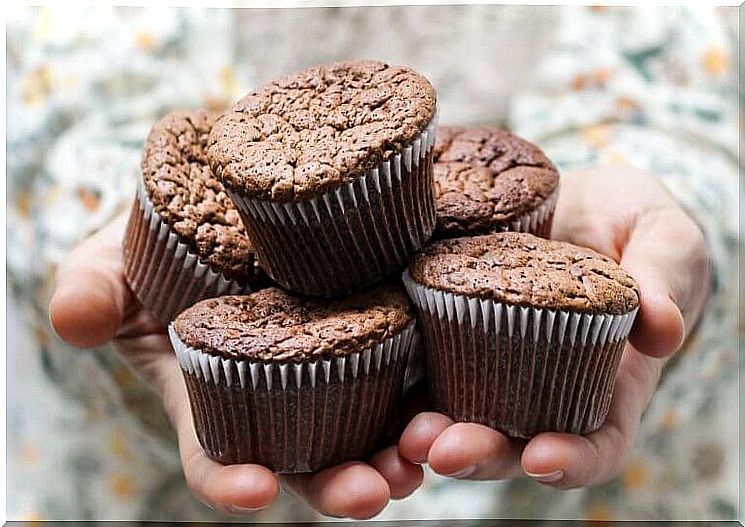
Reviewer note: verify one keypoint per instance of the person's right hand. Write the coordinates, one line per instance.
(93, 305)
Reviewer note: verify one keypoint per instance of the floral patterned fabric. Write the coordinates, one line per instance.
(652, 88)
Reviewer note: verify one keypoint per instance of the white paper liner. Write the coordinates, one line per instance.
(164, 273)
(295, 417)
(538, 221)
(520, 370)
(351, 237)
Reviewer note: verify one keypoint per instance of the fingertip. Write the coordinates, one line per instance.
(355, 490)
(91, 295)
(467, 448)
(403, 476)
(84, 316)
(420, 434)
(569, 461)
(241, 489)
(450, 455)
(548, 454)
(659, 329)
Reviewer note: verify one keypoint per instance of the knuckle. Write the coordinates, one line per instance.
(195, 477)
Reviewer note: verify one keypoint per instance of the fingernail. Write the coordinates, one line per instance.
(551, 477)
(464, 473)
(235, 509)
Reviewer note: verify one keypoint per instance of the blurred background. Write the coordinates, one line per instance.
(654, 88)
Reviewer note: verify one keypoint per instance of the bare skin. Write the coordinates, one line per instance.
(628, 215)
(625, 214)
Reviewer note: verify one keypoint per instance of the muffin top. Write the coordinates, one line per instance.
(525, 270)
(311, 131)
(273, 325)
(185, 193)
(486, 177)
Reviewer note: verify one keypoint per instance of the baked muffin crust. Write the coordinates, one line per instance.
(525, 270)
(485, 177)
(311, 131)
(185, 193)
(273, 325)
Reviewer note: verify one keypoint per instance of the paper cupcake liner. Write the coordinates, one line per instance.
(164, 273)
(354, 236)
(520, 370)
(415, 369)
(295, 417)
(538, 221)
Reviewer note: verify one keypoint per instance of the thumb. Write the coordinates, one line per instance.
(91, 296)
(666, 255)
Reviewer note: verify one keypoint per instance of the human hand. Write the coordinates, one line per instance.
(93, 305)
(629, 216)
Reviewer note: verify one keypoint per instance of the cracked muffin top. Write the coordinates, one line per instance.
(311, 131)
(273, 325)
(486, 177)
(525, 270)
(186, 195)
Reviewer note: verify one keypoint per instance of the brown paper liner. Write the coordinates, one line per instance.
(300, 417)
(164, 273)
(350, 238)
(519, 370)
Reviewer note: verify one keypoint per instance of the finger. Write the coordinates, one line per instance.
(578, 219)
(91, 296)
(659, 329)
(475, 451)
(667, 257)
(231, 489)
(351, 490)
(655, 240)
(570, 461)
(403, 476)
(420, 434)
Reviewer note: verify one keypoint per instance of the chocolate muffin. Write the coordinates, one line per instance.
(293, 383)
(521, 333)
(185, 240)
(488, 180)
(331, 169)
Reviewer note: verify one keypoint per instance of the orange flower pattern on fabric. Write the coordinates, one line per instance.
(651, 88)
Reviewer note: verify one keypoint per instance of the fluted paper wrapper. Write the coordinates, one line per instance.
(519, 370)
(538, 221)
(164, 273)
(354, 236)
(298, 417)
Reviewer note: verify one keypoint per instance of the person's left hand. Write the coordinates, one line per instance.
(629, 216)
